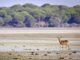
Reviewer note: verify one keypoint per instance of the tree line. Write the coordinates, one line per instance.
(29, 15)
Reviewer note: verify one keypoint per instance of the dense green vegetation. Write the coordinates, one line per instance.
(47, 15)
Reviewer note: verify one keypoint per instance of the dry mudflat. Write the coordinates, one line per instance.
(40, 55)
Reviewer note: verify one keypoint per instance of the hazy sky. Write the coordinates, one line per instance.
(39, 2)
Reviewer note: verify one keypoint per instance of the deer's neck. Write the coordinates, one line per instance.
(59, 40)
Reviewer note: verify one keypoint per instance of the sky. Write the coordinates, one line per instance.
(8, 3)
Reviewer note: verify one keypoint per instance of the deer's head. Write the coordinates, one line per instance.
(59, 36)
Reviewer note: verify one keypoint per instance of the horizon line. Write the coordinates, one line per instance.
(41, 5)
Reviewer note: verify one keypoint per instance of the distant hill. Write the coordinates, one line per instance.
(29, 15)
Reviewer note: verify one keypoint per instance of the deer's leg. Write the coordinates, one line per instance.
(62, 47)
(68, 47)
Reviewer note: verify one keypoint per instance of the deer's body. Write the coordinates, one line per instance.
(63, 43)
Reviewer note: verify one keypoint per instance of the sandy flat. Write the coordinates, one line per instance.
(26, 44)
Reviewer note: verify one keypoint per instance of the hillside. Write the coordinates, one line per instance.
(29, 15)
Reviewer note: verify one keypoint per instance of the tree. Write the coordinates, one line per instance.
(3, 13)
(29, 5)
(1, 21)
(54, 21)
(74, 19)
(6, 19)
(29, 20)
(28, 15)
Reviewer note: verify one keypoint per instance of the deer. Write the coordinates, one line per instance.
(63, 43)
